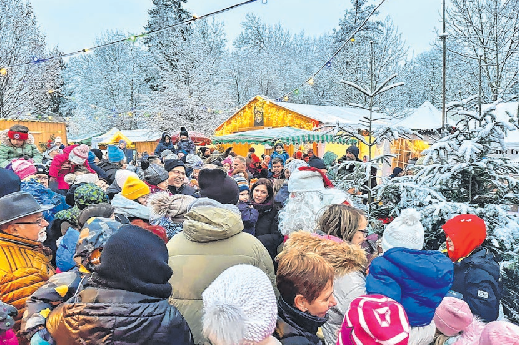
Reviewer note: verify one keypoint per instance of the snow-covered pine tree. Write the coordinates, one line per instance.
(461, 174)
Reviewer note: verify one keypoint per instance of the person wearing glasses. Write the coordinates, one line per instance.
(24, 262)
(177, 178)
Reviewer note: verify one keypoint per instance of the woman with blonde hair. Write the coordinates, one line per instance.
(344, 222)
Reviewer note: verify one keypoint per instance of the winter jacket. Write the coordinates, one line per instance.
(112, 190)
(110, 169)
(100, 172)
(66, 250)
(58, 289)
(282, 195)
(254, 172)
(8, 152)
(417, 279)
(24, 267)
(249, 216)
(58, 173)
(161, 146)
(266, 230)
(108, 316)
(7, 335)
(211, 242)
(45, 196)
(295, 327)
(477, 278)
(184, 189)
(187, 145)
(129, 208)
(284, 156)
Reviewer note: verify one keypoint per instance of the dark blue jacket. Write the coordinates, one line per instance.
(45, 196)
(249, 216)
(297, 328)
(417, 279)
(477, 278)
(188, 146)
(66, 250)
(162, 145)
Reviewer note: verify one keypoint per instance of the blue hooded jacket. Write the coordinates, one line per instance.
(417, 279)
(45, 196)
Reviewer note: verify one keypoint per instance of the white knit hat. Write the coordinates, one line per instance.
(122, 175)
(239, 306)
(305, 181)
(405, 231)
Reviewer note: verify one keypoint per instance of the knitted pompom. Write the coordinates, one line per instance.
(224, 323)
(410, 216)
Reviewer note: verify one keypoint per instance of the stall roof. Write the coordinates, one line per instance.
(329, 115)
(134, 135)
(288, 135)
(425, 116)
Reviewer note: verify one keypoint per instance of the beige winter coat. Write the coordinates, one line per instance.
(211, 242)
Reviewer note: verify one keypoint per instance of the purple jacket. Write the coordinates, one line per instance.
(249, 216)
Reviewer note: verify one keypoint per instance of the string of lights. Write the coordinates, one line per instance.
(35, 60)
(310, 81)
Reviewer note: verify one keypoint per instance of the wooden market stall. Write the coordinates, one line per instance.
(43, 131)
(261, 113)
(138, 139)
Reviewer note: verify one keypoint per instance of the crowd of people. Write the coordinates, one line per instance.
(190, 246)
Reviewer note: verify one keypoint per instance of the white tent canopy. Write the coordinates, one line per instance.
(425, 116)
(134, 135)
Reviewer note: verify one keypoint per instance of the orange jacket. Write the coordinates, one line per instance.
(24, 267)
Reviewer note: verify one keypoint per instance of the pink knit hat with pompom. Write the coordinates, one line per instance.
(23, 168)
(500, 333)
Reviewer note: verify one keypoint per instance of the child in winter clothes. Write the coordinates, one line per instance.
(165, 143)
(184, 143)
(349, 263)
(72, 157)
(7, 335)
(305, 284)
(131, 203)
(62, 286)
(16, 142)
(476, 273)
(418, 279)
(279, 152)
(249, 215)
(123, 301)
(240, 307)
(374, 320)
(452, 317)
(168, 211)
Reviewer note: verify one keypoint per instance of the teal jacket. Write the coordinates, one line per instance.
(8, 152)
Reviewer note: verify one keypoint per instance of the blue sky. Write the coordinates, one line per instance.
(74, 24)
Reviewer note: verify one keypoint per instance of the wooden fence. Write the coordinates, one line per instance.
(41, 130)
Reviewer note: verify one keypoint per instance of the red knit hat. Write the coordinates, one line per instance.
(254, 158)
(79, 154)
(467, 232)
(374, 320)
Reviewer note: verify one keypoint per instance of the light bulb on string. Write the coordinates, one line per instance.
(352, 39)
(285, 98)
(195, 16)
(3, 71)
(311, 81)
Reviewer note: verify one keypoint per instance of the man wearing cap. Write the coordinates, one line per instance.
(24, 262)
(16, 142)
(177, 178)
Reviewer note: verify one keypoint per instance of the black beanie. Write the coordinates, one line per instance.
(183, 131)
(98, 153)
(217, 185)
(126, 260)
(9, 182)
(317, 163)
(171, 164)
(354, 150)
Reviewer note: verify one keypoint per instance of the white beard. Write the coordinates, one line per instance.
(42, 236)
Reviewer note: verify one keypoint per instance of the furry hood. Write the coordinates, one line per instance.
(4, 139)
(344, 257)
(171, 206)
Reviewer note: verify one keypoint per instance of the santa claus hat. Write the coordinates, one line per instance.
(308, 179)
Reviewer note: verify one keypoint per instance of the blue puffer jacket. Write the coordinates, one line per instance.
(66, 250)
(417, 279)
(45, 196)
(477, 278)
(284, 156)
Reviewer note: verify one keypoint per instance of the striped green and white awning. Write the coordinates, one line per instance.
(288, 135)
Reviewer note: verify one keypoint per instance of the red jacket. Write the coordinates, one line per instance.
(58, 173)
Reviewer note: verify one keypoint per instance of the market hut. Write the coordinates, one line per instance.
(261, 113)
(138, 139)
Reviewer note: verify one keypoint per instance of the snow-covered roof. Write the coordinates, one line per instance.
(134, 135)
(425, 116)
(329, 115)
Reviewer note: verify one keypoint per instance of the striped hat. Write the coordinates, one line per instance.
(374, 320)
